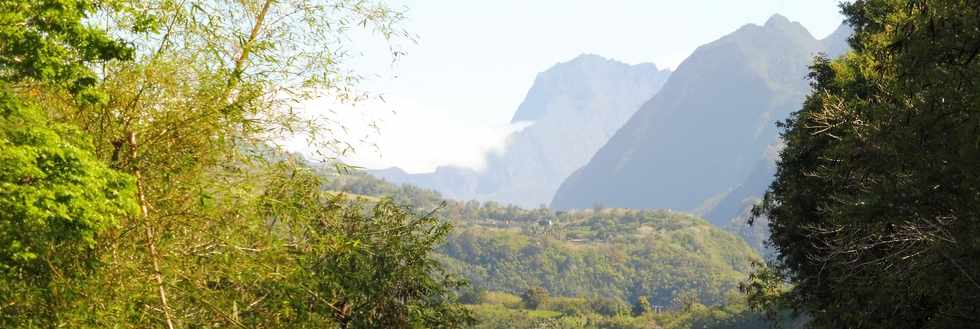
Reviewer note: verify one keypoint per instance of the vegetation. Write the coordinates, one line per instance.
(142, 187)
(580, 313)
(626, 256)
(875, 205)
(56, 200)
(597, 268)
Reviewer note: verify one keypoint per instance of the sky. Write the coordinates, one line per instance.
(450, 99)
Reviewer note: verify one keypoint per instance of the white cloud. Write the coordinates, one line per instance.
(404, 134)
(671, 60)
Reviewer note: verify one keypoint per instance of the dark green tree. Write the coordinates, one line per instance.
(609, 306)
(471, 295)
(534, 297)
(642, 306)
(875, 210)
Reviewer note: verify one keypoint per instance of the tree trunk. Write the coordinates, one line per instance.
(150, 237)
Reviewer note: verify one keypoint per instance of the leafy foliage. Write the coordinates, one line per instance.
(48, 41)
(874, 209)
(534, 297)
(180, 122)
(613, 254)
(56, 201)
(375, 269)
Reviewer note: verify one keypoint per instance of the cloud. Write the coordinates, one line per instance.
(672, 60)
(403, 134)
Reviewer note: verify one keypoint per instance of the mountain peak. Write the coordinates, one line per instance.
(777, 20)
(589, 57)
(836, 43)
(576, 105)
(599, 59)
(576, 79)
(736, 87)
(776, 25)
(780, 23)
(841, 34)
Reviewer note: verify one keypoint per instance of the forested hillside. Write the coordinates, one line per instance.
(626, 255)
(594, 268)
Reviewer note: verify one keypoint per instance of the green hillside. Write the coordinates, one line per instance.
(624, 255)
(620, 254)
(593, 268)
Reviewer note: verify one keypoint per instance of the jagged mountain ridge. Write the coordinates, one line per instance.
(574, 108)
(706, 131)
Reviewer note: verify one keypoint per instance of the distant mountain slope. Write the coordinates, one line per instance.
(454, 182)
(706, 131)
(734, 210)
(574, 107)
(836, 43)
(746, 194)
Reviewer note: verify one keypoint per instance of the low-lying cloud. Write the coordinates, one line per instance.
(417, 140)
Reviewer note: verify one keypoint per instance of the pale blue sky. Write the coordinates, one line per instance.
(449, 100)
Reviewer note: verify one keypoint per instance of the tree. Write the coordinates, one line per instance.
(534, 297)
(191, 106)
(56, 201)
(642, 306)
(375, 269)
(471, 295)
(195, 118)
(608, 306)
(359, 264)
(874, 208)
(49, 42)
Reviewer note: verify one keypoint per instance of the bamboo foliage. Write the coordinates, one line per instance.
(225, 213)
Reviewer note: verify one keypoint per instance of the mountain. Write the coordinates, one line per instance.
(454, 182)
(573, 108)
(706, 131)
(733, 211)
(745, 195)
(836, 43)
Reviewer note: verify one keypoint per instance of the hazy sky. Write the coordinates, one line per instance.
(450, 99)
